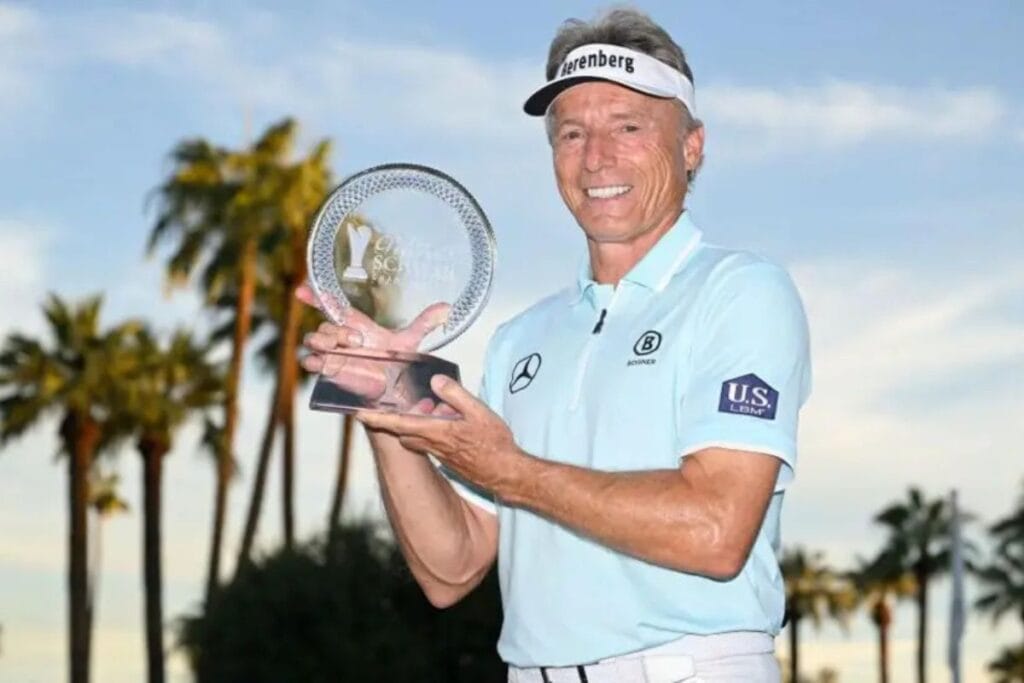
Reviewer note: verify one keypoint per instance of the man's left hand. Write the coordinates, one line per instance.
(477, 446)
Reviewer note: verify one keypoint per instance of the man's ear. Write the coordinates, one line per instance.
(693, 149)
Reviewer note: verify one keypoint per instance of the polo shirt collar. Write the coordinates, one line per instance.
(666, 258)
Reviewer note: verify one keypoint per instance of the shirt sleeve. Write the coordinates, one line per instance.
(750, 369)
(470, 492)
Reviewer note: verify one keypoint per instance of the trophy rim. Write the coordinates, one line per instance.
(449, 335)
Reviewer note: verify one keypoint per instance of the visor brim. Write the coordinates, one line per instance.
(537, 104)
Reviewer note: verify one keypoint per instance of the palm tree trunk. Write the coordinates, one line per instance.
(259, 485)
(82, 434)
(882, 616)
(922, 625)
(288, 466)
(225, 456)
(288, 372)
(95, 567)
(794, 645)
(153, 451)
(341, 483)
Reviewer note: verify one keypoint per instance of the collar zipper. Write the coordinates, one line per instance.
(581, 369)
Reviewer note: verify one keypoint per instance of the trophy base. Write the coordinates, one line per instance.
(380, 380)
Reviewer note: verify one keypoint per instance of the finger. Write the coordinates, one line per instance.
(424, 406)
(320, 341)
(354, 375)
(455, 395)
(396, 423)
(312, 363)
(330, 337)
(431, 317)
(445, 411)
(306, 295)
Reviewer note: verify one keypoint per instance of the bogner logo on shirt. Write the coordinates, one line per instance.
(748, 395)
(648, 343)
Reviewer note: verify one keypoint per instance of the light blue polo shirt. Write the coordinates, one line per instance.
(697, 346)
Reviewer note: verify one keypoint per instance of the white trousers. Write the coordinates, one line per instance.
(720, 658)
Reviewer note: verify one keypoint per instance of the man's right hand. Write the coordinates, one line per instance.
(362, 376)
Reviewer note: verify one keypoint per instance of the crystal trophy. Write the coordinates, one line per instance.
(388, 244)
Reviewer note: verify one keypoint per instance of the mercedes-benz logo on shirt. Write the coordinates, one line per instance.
(524, 372)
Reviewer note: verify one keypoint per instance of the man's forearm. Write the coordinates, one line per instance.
(441, 540)
(681, 520)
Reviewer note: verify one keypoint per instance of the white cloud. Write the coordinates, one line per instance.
(19, 29)
(841, 113)
(430, 87)
(437, 89)
(912, 386)
(22, 274)
(15, 21)
(368, 84)
(155, 39)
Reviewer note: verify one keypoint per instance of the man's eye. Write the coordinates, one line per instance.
(572, 135)
(630, 128)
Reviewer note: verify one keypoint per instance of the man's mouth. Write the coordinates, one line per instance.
(608, 191)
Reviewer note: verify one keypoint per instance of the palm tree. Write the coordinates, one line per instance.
(303, 188)
(1008, 667)
(71, 374)
(269, 315)
(1003, 577)
(167, 385)
(877, 583)
(919, 539)
(217, 206)
(813, 590)
(299, 190)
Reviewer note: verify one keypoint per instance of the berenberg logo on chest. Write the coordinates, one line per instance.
(748, 395)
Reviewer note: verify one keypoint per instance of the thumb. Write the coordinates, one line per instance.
(305, 294)
(432, 317)
(454, 394)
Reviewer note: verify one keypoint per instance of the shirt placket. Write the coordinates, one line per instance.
(606, 302)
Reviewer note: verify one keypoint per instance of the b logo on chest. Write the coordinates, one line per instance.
(648, 343)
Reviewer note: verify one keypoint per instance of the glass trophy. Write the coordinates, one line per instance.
(388, 244)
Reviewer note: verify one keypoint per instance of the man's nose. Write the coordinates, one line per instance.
(597, 153)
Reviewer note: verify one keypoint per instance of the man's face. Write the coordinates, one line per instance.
(620, 159)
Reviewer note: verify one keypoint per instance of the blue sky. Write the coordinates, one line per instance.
(875, 149)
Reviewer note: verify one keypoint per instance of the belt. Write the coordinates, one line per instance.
(672, 661)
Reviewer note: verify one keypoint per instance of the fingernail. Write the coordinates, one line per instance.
(354, 339)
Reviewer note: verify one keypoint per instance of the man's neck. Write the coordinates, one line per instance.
(610, 261)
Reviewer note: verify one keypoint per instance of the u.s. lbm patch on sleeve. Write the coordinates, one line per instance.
(748, 395)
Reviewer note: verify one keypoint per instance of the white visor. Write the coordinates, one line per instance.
(601, 62)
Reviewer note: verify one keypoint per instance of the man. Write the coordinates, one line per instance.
(627, 458)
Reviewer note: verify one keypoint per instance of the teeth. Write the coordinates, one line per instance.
(607, 192)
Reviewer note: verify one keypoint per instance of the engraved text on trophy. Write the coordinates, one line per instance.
(413, 261)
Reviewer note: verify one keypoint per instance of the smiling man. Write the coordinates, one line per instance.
(626, 460)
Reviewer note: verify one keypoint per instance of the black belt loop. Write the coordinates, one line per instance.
(544, 674)
(582, 671)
